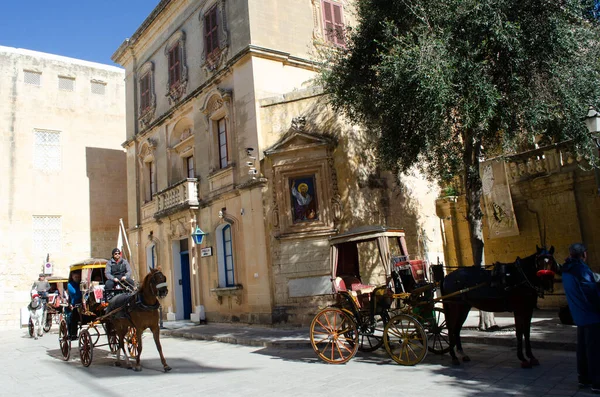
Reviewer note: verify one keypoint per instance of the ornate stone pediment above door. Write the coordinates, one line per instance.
(306, 201)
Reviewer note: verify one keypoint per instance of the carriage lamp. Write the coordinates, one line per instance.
(198, 236)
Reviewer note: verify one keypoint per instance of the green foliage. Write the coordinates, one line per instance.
(438, 83)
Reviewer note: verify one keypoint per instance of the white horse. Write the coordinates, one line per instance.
(37, 314)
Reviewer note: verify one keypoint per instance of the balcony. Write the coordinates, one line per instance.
(540, 162)
(181, 196)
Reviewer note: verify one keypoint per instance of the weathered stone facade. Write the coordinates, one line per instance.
(252, 124)
(552, 197)
(62, 122)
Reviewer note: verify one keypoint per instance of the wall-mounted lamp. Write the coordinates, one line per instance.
(198, 236)
(151, 235)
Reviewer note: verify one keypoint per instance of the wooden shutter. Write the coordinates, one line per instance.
(210, 31)
(145, 91)
(333, 22)
(174, 65)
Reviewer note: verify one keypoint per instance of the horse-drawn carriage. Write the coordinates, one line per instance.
(57, 300)
(87, 313)
(382, 298)
(104, 313)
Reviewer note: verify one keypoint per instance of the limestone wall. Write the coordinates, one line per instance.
(81, 104)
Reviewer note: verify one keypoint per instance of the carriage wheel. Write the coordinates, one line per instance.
(113, 340)
(437, 332)
(48, 323)
(131, 341)
(405, 340)
(334, 336)
(371, 339)
(64, 341)
(86, 348)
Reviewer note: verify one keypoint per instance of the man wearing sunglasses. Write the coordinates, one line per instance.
(118, 271)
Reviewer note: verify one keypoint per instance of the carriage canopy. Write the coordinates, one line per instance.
(384, 242)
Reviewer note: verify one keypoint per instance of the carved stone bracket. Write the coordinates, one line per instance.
(235, 292)
(299, 123)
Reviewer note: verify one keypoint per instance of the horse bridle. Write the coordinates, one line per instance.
(548, 257)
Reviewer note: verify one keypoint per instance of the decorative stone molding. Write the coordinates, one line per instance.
(235, 292)
(211, 63)
(147, 150)
(146, 115)
(178, 230)
(299, 123)
(176, 91)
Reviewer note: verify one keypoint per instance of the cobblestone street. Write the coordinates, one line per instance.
(214, 368)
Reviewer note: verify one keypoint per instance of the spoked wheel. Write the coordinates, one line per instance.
(334, 336)
(113, 341)
(86, 348)
(371, 339)
(64, 341)
(132, 342)
(48, 323)
(31, 327)
(405, 340)
(437, 332)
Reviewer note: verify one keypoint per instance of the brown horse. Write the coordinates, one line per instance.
(510, 287)
(139, 311)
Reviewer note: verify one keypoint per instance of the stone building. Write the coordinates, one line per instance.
(227, 137)
(62, 167)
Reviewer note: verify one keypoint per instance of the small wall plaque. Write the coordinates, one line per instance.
(206, 252)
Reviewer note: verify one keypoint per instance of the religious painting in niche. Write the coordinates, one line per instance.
(304, 199)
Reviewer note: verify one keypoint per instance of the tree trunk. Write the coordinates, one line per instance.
(473, 193)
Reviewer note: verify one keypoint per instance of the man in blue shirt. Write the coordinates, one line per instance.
(72, 313)
(583, 296)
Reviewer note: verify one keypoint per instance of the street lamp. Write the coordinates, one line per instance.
(198, 236)
(592, 121)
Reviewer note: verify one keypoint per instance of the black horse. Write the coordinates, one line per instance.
(509, 287)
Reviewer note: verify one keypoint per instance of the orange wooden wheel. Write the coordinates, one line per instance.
(334, 336)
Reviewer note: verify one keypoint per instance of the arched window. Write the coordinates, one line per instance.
(225, 255)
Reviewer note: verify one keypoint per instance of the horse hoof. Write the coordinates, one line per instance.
(167, 368)
(466, 359)
(455, 361)
(137, 369)
(526, 364)
(117, 364)
(534, 362)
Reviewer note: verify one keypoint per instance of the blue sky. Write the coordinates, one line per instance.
(84, 29)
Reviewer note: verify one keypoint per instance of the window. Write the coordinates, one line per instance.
(174, 65)
(189, 162)
(225, 255)
(98, 88)
(145, 92)
(151, 179)
(66, 83)
(211, 38)
(32, 78)
(47, 150)
(333, 23)
(222, 138)
(46, 233)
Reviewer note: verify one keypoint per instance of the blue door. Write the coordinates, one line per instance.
(185, 284)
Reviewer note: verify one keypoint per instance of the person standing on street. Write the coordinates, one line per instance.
(117, 271)
(583, 296)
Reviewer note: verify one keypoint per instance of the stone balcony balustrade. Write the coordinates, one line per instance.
(180, 196)
(542, 161)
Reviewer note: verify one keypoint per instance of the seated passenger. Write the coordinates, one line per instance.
(75, 298)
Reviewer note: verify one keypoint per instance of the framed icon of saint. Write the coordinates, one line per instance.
(303, 197)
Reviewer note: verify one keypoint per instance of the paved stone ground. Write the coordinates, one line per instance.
(213, 368)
